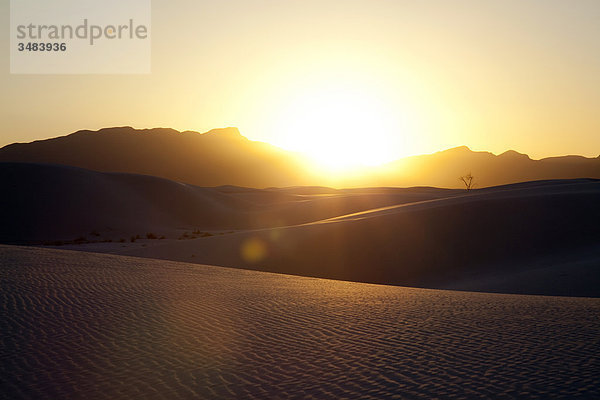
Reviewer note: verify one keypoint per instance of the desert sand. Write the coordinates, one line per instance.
(533, 238)
(46, 202)
(536, 237)
(82, 325)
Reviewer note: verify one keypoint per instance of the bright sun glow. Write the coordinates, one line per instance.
(342, 128)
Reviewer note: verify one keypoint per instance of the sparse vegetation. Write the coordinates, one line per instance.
(84, 240)
(195, 234)
(54, 243)
(468, 180)
(77, 240)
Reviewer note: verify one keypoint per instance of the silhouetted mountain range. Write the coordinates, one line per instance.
(217, 157)
(443, 168)
(225, 157)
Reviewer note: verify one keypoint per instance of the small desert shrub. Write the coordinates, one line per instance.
(122, 240)
(54, 243)
(162, 237)
(94, 233)
(132, 240)
(80, 239)
(468, 180)
(151, 235)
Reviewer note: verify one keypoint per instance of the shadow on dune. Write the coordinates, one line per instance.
(428, 244)
(44, 202)
(544, 233)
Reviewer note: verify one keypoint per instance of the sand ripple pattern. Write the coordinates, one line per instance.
(77, 325)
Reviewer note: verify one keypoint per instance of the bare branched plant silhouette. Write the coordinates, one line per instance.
(468, 180)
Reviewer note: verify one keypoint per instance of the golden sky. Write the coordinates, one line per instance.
(369, 80)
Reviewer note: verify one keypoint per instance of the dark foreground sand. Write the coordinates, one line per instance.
(82, 325)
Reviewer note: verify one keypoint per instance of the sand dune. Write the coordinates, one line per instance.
(56, 202)
(45, 202)
(80, 325)
(535, 237)
(433, 243)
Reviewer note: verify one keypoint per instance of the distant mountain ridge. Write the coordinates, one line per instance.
(220, 156)
(443, 168)
(225, 157)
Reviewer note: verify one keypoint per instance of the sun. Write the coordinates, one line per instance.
(341, 127)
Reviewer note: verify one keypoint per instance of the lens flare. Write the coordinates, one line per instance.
(253, 250)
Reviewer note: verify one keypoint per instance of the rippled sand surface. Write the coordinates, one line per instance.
(78, 325)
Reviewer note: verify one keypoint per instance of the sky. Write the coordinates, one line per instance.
(368, 80)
